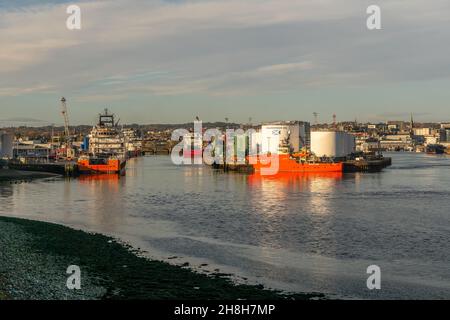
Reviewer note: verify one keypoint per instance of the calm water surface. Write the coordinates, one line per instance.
(298, 233)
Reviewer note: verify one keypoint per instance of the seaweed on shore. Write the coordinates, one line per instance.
(126, 275)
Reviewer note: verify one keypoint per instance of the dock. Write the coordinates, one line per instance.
(361, 165)
(241, 168)
(367, 165)
(66, 169)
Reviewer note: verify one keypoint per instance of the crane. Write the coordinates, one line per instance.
(66, 128)
(65, 116)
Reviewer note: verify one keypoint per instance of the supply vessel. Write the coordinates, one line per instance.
(107, 151)
(303, 163)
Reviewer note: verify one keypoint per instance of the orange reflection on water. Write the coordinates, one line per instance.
(293, 177)
(109, 178)
(281, 188)
(106, 191)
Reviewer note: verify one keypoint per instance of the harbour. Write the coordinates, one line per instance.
(224, 159)
(300, 233)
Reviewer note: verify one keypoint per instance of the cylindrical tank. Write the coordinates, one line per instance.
(6, 145)
(332, 143)
(279, 137)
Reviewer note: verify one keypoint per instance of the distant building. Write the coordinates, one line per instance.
(445, 135)
(378, 127)
(396, 142)
(393, 127)
(422, 131)
(36, 151)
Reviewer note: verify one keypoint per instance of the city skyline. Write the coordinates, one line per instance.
(169, 61)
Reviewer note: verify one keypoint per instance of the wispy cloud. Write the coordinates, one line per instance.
(17, 91)
(217, 48)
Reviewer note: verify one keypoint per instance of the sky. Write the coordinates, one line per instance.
(170, 61)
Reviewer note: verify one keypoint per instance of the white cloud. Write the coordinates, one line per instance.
(217, 47)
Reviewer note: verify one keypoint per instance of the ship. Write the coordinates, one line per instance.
(106, 150)
(301, 163)
(133, 143)
(435, 149)
(192, 145)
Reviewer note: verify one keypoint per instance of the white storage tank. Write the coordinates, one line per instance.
(6, 145)
(284, 136)
(334, 144)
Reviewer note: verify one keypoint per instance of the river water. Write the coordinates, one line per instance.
(307, 233)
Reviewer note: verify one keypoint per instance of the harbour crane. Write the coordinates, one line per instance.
(70, 152)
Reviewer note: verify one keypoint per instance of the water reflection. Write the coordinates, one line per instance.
(310, 232)
(276, 189)
(6, 193)
(109, 186)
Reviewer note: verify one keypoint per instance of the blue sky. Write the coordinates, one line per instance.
(169, 61)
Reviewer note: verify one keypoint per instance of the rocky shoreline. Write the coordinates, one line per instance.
(10, 175)
(35, 256)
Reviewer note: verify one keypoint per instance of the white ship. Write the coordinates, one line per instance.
(106, 139)
(133, 142)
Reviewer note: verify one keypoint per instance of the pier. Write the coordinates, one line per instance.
(66, 169)
(241, 168)
(150, 147)
(360, 165)
(367, 165)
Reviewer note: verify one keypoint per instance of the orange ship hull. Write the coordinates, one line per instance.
(110, 166)
(287, 164)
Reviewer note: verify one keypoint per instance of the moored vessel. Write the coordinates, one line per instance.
(133, 143)
(296, 163)
(93, 165)
(435, 149)
(193, 145)
(107, 152)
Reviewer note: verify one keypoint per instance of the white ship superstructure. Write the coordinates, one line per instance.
(106, 139)
(133, 142)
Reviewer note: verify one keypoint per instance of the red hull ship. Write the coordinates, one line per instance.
(99, 165)
(293, 163)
